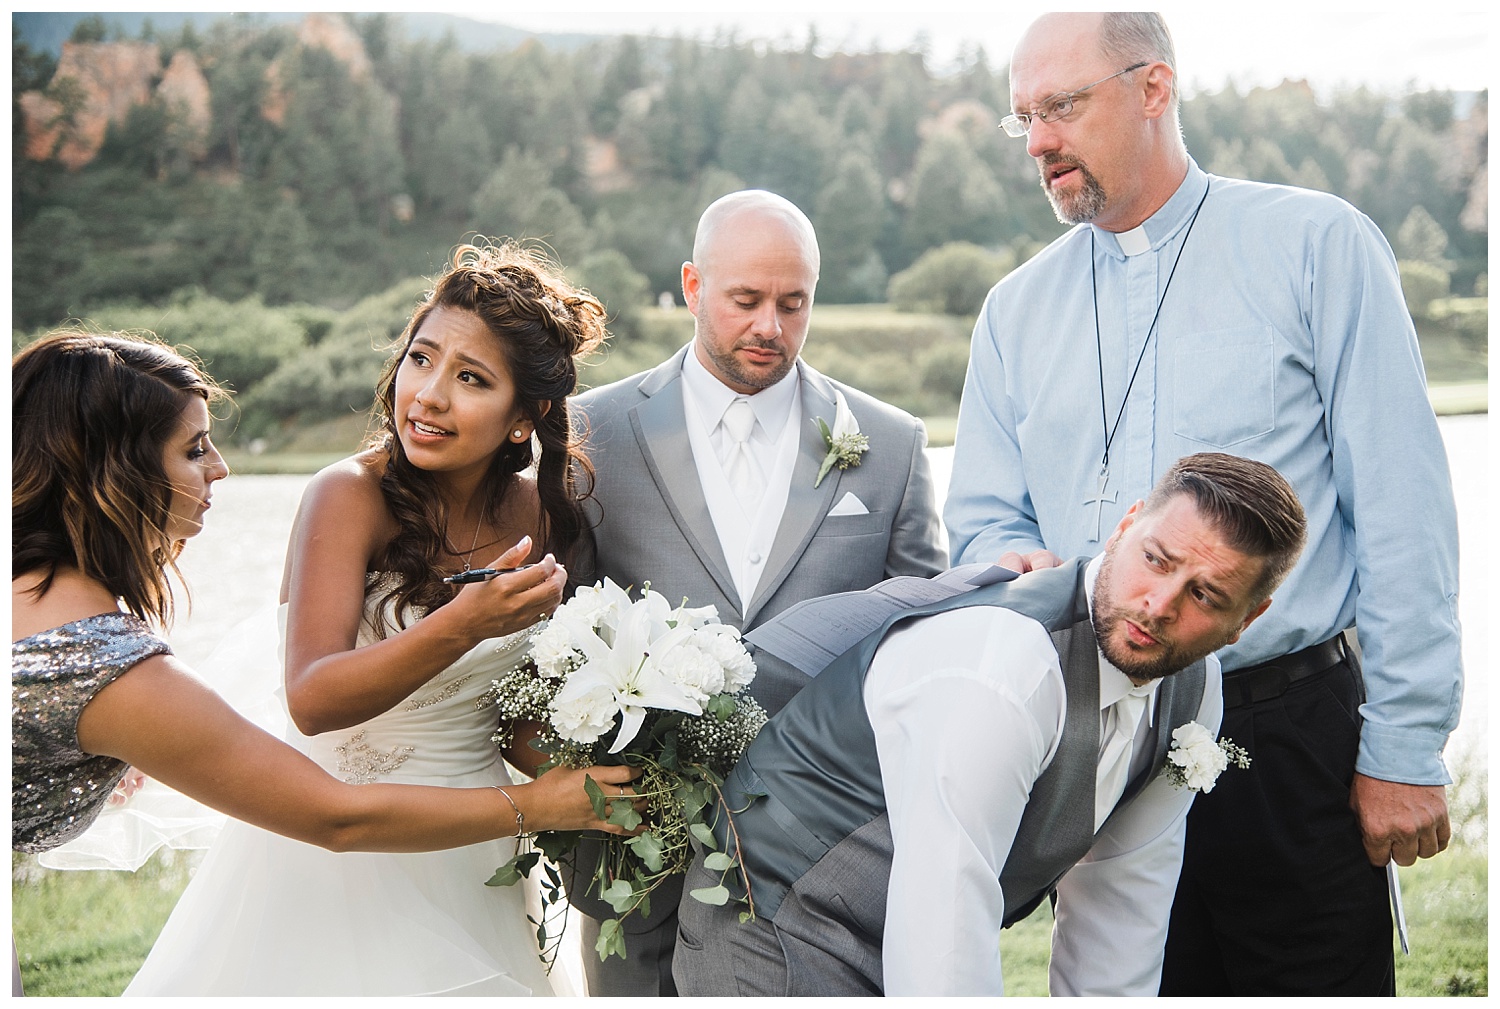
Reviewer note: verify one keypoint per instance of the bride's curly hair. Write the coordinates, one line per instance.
(542, 325)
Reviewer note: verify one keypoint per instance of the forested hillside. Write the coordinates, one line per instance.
(324, 160)
(197, 180)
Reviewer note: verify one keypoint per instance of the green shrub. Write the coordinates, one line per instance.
(624, 291)
(952, 279)
(1422, 284)
(338, 375)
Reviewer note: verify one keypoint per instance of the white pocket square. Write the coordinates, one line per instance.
(848, 505)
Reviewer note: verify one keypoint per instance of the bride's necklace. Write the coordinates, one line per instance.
(468, 559)
(1099, 500)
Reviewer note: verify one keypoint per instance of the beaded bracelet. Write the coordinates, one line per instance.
(520, 820)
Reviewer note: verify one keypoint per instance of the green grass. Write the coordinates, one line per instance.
(86, 933)
(1447, 917)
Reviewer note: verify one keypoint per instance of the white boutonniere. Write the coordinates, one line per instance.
(1196, 760)
(845, 443)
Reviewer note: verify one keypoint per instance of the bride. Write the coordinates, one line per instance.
(385, 663)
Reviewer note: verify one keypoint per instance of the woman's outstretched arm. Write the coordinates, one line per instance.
(160, 718)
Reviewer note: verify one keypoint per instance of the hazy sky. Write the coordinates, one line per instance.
(1426, 46)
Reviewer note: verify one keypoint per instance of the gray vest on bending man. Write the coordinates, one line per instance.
(814, 835)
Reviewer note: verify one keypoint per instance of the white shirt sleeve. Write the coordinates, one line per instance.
(1113, 907)
(967, 708)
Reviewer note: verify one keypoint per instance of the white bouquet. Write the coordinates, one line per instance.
(639, 682)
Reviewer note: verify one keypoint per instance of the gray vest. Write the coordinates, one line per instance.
(809, 789)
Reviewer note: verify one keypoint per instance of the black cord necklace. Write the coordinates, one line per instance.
(1099, 500)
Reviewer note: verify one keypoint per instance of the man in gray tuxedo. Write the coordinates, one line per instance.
(707, 481)
(1011, 743)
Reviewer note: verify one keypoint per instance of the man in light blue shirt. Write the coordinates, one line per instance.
(1186, 313)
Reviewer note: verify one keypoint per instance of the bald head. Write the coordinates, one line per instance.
(753, 207)
(1051, 33)
(750, 288)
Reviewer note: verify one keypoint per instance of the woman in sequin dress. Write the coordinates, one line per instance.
(113, 470)
(472, 466)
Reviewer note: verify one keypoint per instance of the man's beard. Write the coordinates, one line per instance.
(1106, 618)
(1080, 207)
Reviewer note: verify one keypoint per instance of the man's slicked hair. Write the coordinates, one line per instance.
(1248, 502)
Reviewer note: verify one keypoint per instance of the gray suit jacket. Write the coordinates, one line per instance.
(650, 519)
(651, 522)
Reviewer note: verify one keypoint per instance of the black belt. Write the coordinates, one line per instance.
(1271, 679)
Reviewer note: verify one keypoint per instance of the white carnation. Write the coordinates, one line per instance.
(698, 674)
(725, 648)
(1199, 755)
(552, 650)
(584, 715)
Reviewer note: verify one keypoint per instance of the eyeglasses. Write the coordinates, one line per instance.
(1058, 107)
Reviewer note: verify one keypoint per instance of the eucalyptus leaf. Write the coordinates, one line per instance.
(718, 896)
(515, 870)
(647, 848)
(718, 861)
(596, 796)
(693, 800)
(620, 894)
(828, 461)
(611, 939)
(668, 757)
(557, 843)
(622, 814)
(705, 836)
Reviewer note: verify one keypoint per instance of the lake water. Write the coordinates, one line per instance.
(234, 566)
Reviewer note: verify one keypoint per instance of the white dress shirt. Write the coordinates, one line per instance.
(968, 708)
(745, 537)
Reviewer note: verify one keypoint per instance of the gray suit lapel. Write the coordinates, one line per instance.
(660, 428)
(805, 505)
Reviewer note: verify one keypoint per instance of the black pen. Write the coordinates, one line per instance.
(481, 574)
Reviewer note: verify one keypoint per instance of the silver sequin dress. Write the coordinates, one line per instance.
(266, 915)
(57, 790)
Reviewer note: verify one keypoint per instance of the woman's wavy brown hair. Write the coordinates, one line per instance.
(91, 417)
(542, 325)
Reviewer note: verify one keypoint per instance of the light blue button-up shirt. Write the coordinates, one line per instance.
(1284, 337)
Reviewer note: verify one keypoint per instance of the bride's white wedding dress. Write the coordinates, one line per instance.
(266, 915)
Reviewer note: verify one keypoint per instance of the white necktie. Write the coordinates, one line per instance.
(1116, 748)
(739, 465)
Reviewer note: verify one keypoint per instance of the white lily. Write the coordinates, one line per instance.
(627, 667)
(843, 418)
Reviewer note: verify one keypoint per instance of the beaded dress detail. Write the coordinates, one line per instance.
(265, 915)
(57, 790)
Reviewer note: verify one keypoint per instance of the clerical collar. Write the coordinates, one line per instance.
(1134, 242)
(1161, 226)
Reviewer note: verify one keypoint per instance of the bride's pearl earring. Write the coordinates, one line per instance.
(519, 435)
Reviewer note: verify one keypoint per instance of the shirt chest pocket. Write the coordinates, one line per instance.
(1224, 386)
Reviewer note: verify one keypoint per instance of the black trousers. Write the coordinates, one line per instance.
(1277, 896)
